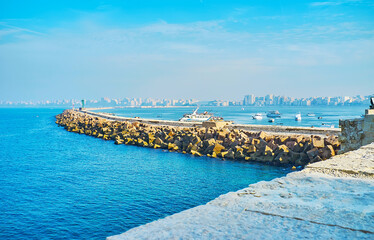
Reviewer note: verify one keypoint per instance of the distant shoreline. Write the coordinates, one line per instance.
(121, 107)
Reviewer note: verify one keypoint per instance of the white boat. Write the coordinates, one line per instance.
(198, 117)
(273, 114)
(298, 117)
(311, 115)
(257, 116)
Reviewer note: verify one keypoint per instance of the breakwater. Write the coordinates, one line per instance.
(227, 142)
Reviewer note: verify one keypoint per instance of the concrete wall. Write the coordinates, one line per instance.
(357, 132)
(368, 127)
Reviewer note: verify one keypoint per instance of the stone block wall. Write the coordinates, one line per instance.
(351, 134)
(368, 127)
(357, 132)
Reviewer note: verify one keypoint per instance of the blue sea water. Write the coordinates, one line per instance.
(243, 115)
(56, 184)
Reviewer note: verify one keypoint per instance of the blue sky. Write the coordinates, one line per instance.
(185, 49)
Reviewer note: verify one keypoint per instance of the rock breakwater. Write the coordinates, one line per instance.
(213, 142)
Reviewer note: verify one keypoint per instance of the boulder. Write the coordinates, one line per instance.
(281, 149)
(281, 139)
(267, 151)
(307, 146)
(291, 144)
(297, 139)
(261, 135)
(218, 148)
(299, 147)
(312, 153)
(222, 134)
(239, 155)
(326, 152)
(195, 140)
(209, 149)
(318, 143)
(283, 158)
(159, 141)
(272, 144)
(302, 159)
(250, 149)
(333, 141)
(209, 142)
(230, 154)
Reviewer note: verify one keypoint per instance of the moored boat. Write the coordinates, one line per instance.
(298, 117)
(199, 117)
(273, 114)
(257, 116)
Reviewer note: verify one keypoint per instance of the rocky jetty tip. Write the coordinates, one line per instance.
(225, 142)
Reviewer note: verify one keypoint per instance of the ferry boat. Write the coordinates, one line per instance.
(199, 117)
(257, 116)
(298, 117)
(273, 114)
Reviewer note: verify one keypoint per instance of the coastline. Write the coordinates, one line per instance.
(322, 201)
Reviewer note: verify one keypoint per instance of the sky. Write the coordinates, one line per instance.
(185, 49)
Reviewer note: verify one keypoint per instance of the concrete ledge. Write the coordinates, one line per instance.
(358, 164)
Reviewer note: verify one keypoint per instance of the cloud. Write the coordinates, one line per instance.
(176, 29)
(11, 32)
(333, 3)
(19, 29)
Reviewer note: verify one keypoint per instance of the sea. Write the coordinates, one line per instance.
(56, 184)
(323, 116)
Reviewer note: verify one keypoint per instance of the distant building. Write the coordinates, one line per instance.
(249, 99)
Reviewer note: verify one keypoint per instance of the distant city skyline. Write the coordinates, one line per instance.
(185, 49)
(248, 100)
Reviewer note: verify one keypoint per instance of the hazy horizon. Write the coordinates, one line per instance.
(185, 49)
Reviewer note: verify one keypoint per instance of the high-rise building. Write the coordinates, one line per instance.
(249, 99)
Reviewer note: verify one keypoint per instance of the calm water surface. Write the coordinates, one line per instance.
(60, 185)
(243, 115)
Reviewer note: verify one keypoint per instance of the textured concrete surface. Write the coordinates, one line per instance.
(359, 163)
(327, 200)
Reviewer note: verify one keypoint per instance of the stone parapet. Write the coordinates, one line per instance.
(357, 132)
